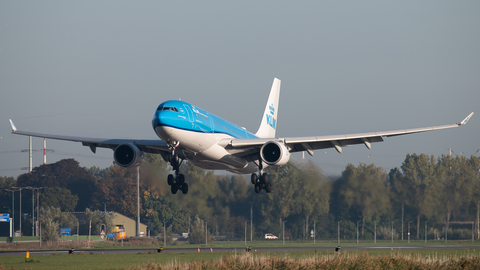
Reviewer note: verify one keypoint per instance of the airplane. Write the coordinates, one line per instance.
(187, 132)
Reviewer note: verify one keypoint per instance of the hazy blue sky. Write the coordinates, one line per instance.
(100, 69)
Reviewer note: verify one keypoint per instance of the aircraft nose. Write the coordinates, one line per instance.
(156, 121)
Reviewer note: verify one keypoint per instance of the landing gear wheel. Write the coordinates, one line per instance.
(265, 177)
(257, 188)
(254, 178)
(268, 187)
(181, 179)
(174, 189)
(170, 179)
(185, 188)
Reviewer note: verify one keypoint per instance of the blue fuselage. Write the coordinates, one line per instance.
(185, 116)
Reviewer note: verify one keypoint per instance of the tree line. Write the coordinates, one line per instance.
(423, 189)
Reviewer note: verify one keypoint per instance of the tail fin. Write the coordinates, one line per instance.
(269, 120)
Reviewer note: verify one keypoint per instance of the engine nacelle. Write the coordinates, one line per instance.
(127, 155)
(274, 153)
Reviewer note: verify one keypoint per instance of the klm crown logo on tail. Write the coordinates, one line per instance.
(271, 121)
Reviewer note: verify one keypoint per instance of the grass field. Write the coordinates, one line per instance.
(242, 260)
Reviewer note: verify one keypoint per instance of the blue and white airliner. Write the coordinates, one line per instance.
(210, 142)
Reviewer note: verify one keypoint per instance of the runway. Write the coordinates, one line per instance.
(187, 250)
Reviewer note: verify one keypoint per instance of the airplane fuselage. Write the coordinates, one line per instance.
(199, 133)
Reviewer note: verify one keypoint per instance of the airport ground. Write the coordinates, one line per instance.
(118, 257)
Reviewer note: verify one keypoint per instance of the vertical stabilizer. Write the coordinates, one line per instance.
(269, 119)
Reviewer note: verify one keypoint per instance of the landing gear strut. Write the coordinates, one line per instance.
(261, 181)
(176, 182)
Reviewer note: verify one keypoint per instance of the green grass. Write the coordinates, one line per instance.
(142, 260)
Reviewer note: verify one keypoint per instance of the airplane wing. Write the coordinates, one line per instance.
(245, 147)
(149, 146)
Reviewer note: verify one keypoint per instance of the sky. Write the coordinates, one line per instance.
(101, 68)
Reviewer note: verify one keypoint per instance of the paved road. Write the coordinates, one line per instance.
(185, 250)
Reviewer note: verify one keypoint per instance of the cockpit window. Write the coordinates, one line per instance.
(164, 108)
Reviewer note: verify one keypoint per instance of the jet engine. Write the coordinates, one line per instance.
(274, 153)
(127, 155)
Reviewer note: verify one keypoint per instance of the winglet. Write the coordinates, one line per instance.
(13, 126)
(465, 120)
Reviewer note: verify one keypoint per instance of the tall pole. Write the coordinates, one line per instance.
(392, 231)
(44, 151)
(426, 231)
(338, 225)
(409, 231)
(375, 229)
(402, 219)
(446, 230)
(473, 232)
(206, 233)
(38, 217)
(357, 231)
(89, 231)
(30, 153)
(283, 234)
(33, 211)
(138, 200)
(13, 211)
(251, 221)
(20, 211)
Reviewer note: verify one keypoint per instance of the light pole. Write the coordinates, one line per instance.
(245, 232)
(357, 231)
(13, 211)
(38, 206)
(392, 231)
(138, 201)
(314, 232)
(251, 221)
(409, 231)
(426, 231)
(338, 225)
(283, 234)
(20, 189)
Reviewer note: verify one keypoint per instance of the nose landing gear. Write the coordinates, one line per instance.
(176, 182)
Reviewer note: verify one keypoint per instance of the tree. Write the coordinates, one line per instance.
(419, 173)
(197, 236)
(366, 188)
(52, 219)
(59, 198)
(118, 188)
(97, 218)
(313, 192)
(5, 195)
(66, 174)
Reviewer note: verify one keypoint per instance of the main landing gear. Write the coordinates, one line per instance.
(261, 182)
(178, 182)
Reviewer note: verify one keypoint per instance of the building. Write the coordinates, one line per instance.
(119, 220)
(128, 224)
